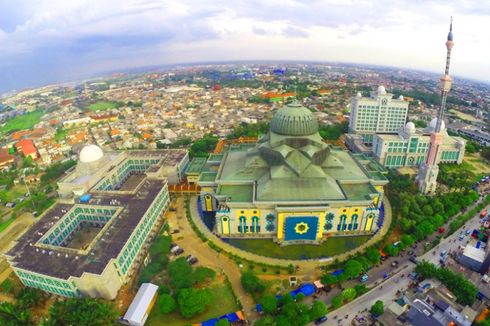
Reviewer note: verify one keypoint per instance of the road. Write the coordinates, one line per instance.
(387, 289)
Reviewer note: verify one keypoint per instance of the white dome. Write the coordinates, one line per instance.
(90, 153)
(359, 94)
(401, 98)
(433, 123)
(381, 90)
(410, 127)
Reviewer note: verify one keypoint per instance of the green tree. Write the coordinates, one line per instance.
(202, 274)
(329, 279)
(373, 256)
(336, 301)
(223, 322)
(82, 311)
(360, 289)
(352, 268)
(251, 283)
(485, 153)
(317, 310)
(29, 297)
(193, 301)
(300, 297)
(14, 315)
(377, 309)
(407, 240)
(27, 162)
(348, 294)
(180, 273)
(269, 304)
(266, 321)
(166, 303)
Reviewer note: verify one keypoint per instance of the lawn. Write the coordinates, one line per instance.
(222, 302)
(102, 106)
(60, 134)
(23, 122)
(5, 224)
(333, 246)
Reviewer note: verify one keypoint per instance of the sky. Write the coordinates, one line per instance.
(45, 41)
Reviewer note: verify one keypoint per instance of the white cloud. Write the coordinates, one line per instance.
(101, 35)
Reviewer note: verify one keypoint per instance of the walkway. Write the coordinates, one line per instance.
(306, 266)
(191, 244)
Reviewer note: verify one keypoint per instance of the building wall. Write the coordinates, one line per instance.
(47, 283)
(370, 115)
(413, 151)
(267, 222)
(132, 251)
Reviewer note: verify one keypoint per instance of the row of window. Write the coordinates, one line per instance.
(51, 289)
(449, 156)
(42, 280)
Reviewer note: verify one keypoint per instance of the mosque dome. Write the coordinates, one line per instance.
(381, 90)
(410, 127)
(90, 153)
(401, 98)
(294, 120)
(433, 123)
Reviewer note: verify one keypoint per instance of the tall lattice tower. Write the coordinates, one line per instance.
(427, 177)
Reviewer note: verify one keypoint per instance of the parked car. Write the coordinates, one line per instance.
(413, 259)
(178, 252)
(461, 237)
(467, 232)
(394, 264)
(364, 278)
(321, 320)
(193, 260)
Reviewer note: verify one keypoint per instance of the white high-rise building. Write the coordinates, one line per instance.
(379, 113)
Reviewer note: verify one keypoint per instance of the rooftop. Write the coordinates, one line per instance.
(25, 254)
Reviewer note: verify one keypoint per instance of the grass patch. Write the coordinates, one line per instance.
(5, 224)
(103, 105)
(333, 246)
(23, 122)
(222, 302)
(60, 134)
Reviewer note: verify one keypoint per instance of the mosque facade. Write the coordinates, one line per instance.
(291, 186)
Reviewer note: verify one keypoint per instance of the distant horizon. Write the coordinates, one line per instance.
(171, 66)
(53, 41)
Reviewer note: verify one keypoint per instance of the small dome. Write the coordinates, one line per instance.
(294, 120)
(381, 90)
(359, 94)
(433, 123)
(401, 98)
(90, 153)
(410, 127)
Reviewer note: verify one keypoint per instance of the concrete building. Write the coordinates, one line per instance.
(379, 113)
(410, 147)
(291, 186)
(91, 245)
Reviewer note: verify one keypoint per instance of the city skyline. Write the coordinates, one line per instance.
(46, 42)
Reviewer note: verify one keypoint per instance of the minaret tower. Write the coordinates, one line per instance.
(427, 177)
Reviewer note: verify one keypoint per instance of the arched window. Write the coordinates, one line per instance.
(255, 224)
(242, 228)
(354, 222)
(342, 226)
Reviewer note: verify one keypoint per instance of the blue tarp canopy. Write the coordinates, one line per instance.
(210, 322)
(259, 307)
(337, 272)
(307, 289)
(233, 317)
(85, 198)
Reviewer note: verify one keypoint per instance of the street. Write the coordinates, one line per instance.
(386, 290)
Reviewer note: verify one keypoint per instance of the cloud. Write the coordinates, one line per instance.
(59, 39)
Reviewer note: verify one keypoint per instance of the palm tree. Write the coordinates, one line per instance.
(14, 315)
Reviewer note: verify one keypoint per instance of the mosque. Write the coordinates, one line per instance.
(291, 186)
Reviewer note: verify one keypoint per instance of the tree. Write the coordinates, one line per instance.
(348, 294)
(82, 311)
(352, 268)
(336, 301)
(28, 162)
(29, 297)
(360, 289)
(329, 279)
(269, 304)
(407, 240)
(300, 297)
(223, 322)
(266, 321)
(373, 256)
(391, 250)
(251, 283)
(180, 273)
(485, 153)
(318, 309)
(14, 315)
(193, 301)
(166, 303)
(377, 309)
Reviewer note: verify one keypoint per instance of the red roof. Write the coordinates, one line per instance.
(26, 146)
